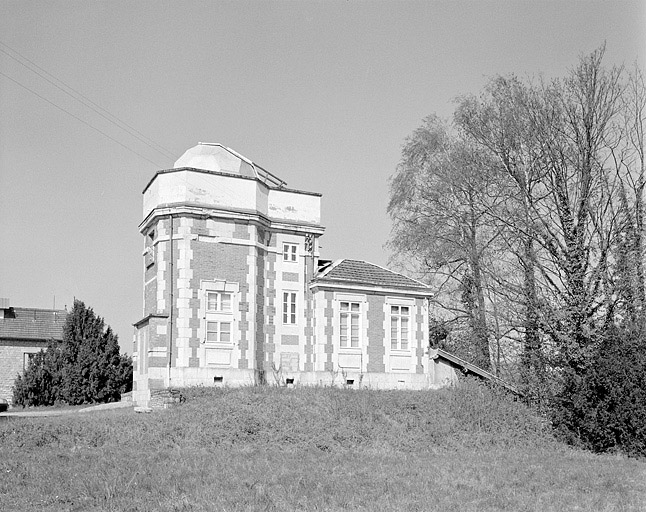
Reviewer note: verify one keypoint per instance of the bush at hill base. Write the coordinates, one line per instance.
(604, 408)
(85, 367)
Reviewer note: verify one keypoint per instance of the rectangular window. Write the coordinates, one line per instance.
(149, 252)
(27, 359)
(290, 252)
(218, 332)
(218, 301)
(218, 308)
(289, 307)
(399, 327)
(349, 324)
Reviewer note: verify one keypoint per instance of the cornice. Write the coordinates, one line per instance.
(201, 211)
(386, 290)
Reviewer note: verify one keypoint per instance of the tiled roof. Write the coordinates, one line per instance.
(362, 272)
(32, 324)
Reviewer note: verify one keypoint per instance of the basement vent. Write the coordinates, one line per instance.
(289, 382)
(218, 380)
(349, 382)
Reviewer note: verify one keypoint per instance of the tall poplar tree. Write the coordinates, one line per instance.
(438, 203)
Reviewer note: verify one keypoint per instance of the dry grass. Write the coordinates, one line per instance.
(310, 449)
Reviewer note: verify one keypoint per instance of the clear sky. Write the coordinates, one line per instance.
(321, 94)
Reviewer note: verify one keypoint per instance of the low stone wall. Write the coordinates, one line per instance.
(164, 398)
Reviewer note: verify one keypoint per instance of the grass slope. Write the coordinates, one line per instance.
(465, 449)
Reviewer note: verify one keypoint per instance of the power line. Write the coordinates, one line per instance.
(88, 103)
(84, 100)
(79, 119)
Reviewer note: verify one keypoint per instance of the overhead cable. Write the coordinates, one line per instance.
(79, 119)
(87, 102)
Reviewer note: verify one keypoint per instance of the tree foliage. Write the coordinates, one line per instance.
(438, 208)
(85, 368)
(605, 409)
(526, 214)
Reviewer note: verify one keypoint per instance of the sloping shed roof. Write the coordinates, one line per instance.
(32, 324)
(364, 273)
(465, 366)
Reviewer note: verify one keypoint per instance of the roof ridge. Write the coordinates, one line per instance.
(17, 308)
(361, 271)
(398, 273)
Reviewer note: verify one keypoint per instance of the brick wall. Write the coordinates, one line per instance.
(376, 334)
(150, 272)
(328, 330)
(12, 361)
(310, 319)
(421, 333)
(226, 262)
(267, 327)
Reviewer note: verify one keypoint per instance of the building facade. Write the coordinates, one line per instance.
(23, 333)
(235, 292)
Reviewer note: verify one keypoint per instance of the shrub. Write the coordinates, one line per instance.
(41, 382)
(604, 408)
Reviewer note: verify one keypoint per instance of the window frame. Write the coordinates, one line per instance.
(347, 340)
(149, 256)
(290, 252)
(218, 302)
(396, 336)
(290, 300)
(219, 313)
(27, 357)
(219, 331)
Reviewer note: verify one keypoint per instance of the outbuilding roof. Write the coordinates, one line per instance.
(32, 324)
(466, 367)
(360, 272)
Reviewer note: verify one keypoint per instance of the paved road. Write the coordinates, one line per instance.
(26, 413)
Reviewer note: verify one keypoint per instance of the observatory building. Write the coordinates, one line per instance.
(235, 291)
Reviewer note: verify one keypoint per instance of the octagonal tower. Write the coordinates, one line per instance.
(225, 242)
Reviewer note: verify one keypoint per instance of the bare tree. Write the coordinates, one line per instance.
(438, 203)
(499, 121)
(626, 156)
(528, 217)
(570, 121)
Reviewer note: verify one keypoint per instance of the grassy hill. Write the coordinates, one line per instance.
(466, 449)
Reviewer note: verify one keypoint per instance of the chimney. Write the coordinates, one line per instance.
(4, 305)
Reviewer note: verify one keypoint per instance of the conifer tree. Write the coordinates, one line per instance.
(85, 368)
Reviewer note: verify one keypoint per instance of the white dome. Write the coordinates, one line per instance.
(218, 158)
(214, 157)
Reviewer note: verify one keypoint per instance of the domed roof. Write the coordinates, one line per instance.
(214, 157)
(218, 158)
